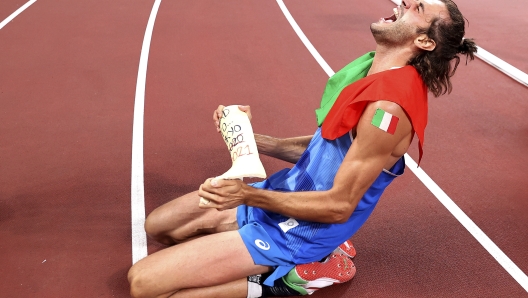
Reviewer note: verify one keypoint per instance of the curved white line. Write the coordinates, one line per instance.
(473, 229)
(496, 62)
(503, 66)
(305, 40)
(16, 13)
(139, 237)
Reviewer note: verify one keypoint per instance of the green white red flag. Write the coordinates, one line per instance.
(385, 121)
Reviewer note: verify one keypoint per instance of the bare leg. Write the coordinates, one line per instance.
(181, 220)
(205, 262)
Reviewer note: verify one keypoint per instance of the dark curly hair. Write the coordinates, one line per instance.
(436, 67)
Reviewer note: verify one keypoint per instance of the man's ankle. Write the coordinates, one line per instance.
(257, 288)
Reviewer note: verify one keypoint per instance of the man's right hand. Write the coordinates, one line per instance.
(217, 114)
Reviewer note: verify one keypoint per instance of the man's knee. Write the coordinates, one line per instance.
(139, 284)
(154, 228)
(143, 283)
(162, 227)
(152, 225)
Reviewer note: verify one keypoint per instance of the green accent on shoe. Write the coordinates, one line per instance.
(293, 277)
(295, 287)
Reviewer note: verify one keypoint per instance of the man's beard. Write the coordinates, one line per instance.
(397, 34)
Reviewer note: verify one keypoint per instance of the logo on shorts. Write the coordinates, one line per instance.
(288, 225)
(262, 244)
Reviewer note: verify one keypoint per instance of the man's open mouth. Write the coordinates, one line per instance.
(392, 18)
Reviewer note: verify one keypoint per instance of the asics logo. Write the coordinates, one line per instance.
(262, 244)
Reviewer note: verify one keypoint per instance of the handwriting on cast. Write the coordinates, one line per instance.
(233, 137)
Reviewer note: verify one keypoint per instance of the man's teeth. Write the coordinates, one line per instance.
(392, 18)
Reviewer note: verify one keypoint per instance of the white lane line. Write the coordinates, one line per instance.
(503, 66)
(305, 40)
(139, 237)
(473, 229)
(496, 62)
(16, 13)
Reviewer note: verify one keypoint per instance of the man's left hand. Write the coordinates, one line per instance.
(223, 194)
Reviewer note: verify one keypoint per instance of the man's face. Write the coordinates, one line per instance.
(401, 27)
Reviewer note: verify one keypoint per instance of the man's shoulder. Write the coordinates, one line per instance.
(384, 108)
(386, 105)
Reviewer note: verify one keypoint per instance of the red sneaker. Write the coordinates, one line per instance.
(308, 278)
(346, 248)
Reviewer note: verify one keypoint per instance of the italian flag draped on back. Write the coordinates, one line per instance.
(348, 92)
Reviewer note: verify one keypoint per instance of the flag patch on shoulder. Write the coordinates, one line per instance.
(385, 121)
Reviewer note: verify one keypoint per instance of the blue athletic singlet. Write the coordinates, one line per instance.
(282, 242)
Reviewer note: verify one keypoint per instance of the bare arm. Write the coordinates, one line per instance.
(369, 153)
(289, 149)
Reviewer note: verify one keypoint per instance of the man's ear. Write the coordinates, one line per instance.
(424, 42)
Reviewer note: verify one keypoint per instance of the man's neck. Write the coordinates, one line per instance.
(386, 58)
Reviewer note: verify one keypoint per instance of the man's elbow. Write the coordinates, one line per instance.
(342, 207)
(341, 217)
(341, 213)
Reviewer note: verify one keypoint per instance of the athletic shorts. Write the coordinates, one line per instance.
(263, 249)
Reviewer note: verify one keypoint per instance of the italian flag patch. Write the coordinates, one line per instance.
(385, 121)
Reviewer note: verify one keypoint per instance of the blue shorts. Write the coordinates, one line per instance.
(261, 246)
(263, 249)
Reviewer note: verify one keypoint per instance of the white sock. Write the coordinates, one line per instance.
(254, 287)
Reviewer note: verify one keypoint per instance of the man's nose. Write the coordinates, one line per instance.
(406, 4)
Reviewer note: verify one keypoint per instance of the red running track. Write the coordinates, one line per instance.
(67, 92)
